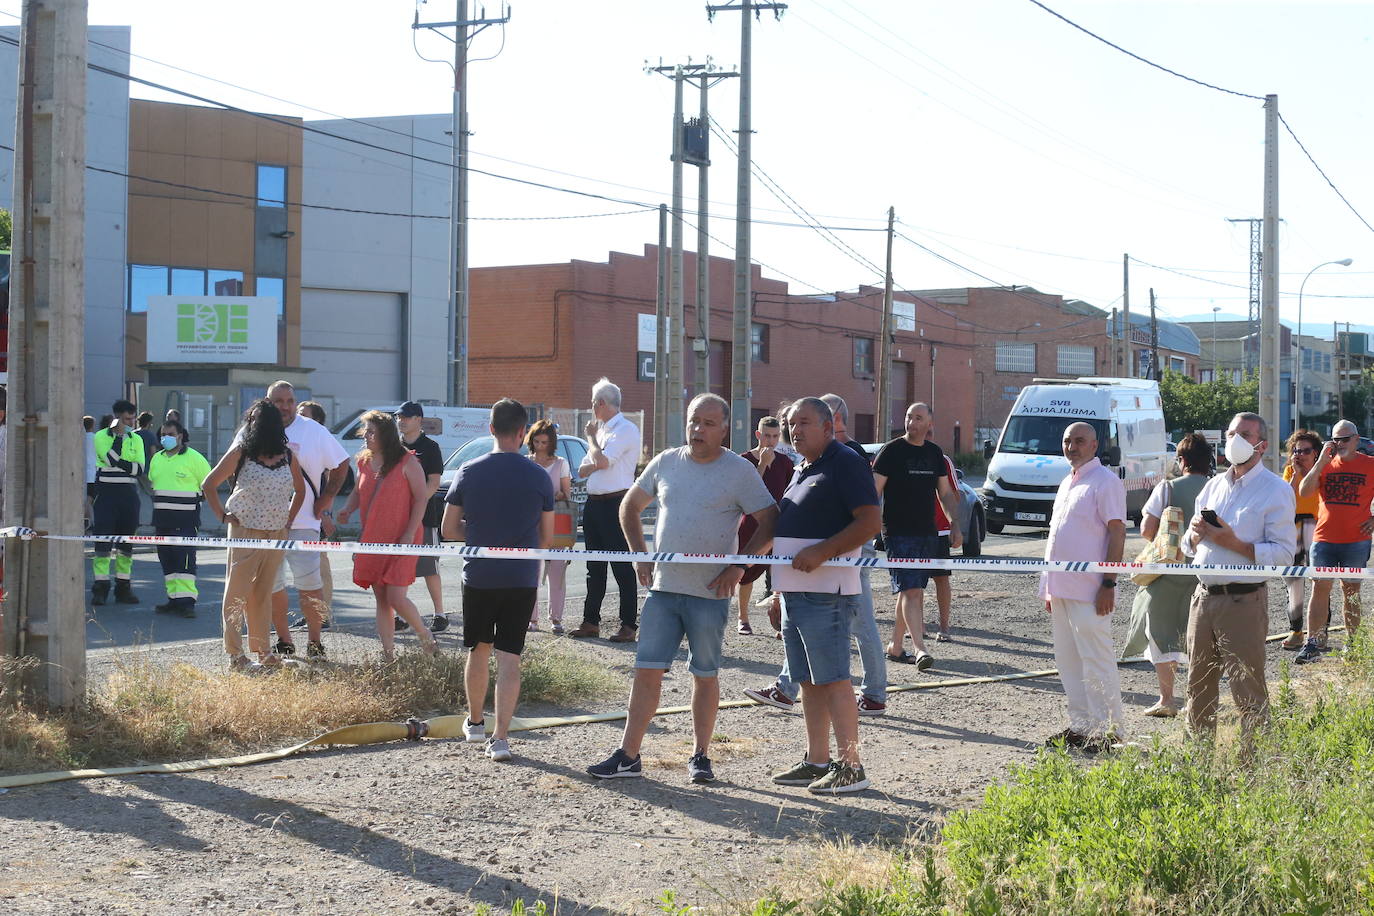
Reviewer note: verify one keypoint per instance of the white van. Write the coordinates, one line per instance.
(1027, 464)
(449, 427)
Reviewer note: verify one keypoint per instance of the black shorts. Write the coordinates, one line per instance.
(943, 554)
(500, 616)
(428, 565)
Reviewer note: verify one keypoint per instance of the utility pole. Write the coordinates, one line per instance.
(1126, 352)
(741, 389)
(44, 618)
(1340, 370)
(1256, 270)
(884, 412)
(661, 335)
(458, 197)
(1154, 338)
(1270, 368)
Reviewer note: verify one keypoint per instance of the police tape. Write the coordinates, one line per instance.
(998, 565)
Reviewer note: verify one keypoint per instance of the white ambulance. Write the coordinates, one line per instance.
(1027, 463)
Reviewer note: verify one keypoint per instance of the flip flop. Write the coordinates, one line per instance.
(906, 658)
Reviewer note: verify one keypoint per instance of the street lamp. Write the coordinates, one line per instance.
(1297, 395)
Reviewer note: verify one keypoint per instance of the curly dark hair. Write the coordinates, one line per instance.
(264, 436)
(1303, 435)
(542, 428)
(1195, 454)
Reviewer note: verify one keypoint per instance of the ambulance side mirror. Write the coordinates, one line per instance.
(1112, 456)
(987, 449)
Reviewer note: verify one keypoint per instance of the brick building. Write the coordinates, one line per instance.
(545, 333)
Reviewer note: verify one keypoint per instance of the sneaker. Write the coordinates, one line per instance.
(1309, 653)
(1322, 639)
(243, 665)
(617, 765)
(298, 623)
(474, 732)
(1068, 737)
(1294, 641)
(699, 769)
(314, 650)
(284, 648)
(771, 696)
(1103, 745)
(399, 626)
(841, 778)
(943, 636)
(439, 624)
(803, 774)
(498, 749)
(744, 629)
(557, 628)
(871, 707)
(924, 661)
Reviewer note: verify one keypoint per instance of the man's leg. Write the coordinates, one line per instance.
(102, 522)
(124, 553)
(1242, 628)
(507, 691)
(816, 712)
(911, 605)
(476, 678)
(313, 609)
(645, 691)
(844, 719)
(435, 585)
(863, 625)
(1351, 590)
(629, 592)
(1204, 666)
(594, 535)
(281, 605)
(1092, 635)
(944, 598)
(1070, 665)
(705, 707)
(1318, 607)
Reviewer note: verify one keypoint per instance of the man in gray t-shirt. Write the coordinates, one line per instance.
(703, 489)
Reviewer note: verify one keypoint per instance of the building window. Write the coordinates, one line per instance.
(863, 357)
(1076, 360)
(271, 186)
(272, 286)
(1204, 375)
(188, 281)
(1178, 364)
(157, 280)
(1015, 357)
(145, 280)
(1326, 363)
(903, 316)
(758, 342)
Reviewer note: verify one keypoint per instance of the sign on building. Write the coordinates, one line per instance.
(212, 329)
(647, 347)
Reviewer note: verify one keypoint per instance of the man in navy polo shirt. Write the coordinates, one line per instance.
(829, 510)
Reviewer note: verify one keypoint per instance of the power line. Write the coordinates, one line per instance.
(1322, 172)
(1238, 285)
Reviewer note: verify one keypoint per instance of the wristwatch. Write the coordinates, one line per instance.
(743, 566)
(1109, 583)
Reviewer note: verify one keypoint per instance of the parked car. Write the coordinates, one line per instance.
(971, 519)
(571, 448)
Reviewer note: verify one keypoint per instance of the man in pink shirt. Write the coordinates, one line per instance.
(1089, 523)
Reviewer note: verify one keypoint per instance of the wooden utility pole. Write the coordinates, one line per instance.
(1127, 369)
(44, 615)
(661, 335)
(1340, 370)
(1271, 372)
(884, 412)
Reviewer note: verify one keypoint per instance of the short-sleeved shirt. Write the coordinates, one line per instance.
(316, 451)
(913, 475)
(431, 462)
(1306, 505)
(942, 525)
(504, 496)
(1346, 488)
(699, 507)
(619, 440)
(1088, 499)
(819, 503)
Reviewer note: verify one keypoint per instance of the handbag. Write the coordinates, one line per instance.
(1166, 546)
(564, 524)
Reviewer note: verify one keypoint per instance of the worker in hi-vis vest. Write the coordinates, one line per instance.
(175, 474)
(119, 460)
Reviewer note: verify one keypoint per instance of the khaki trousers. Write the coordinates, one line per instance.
(248, 592)
(1227, 632)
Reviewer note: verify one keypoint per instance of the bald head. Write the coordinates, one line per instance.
(1080, 444)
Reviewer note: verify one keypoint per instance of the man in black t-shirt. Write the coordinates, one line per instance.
(910, 473)
(432, 464)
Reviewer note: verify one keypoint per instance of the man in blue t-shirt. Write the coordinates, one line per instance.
(501, 499)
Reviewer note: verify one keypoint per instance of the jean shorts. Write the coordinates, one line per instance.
(668, 616)
(1355, 553)
(910, 547)
(815, 633)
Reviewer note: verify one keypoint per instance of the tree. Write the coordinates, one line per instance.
(6, 229)
(1190, 405)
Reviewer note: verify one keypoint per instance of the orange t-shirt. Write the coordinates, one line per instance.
(1347, 488)
(1306, 505)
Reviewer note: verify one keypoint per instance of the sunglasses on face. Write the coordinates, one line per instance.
(1341, 438)
(1303, 451)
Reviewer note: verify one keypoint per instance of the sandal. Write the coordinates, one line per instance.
(905, 658)
(557, 628)
(744, 628)
(533, 627)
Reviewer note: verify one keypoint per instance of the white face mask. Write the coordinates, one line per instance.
(1238, 451)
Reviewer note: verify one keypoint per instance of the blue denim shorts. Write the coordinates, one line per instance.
(1325, 553)
(909, 547)
(815, 633)
(667, 617)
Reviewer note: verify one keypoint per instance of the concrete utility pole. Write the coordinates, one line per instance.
(741, 390)
(1127, 369)
(1270, 368)
(45, 608)
(1340, 370)
(661, 333)
(1256, 269)
(1154, 338)
(458, 203)
(885, 342)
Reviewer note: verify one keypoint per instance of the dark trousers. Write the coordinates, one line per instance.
(601, 531)
(115, 512)
(179, 567)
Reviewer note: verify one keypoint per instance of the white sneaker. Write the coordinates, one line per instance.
(498, 749)
(474, 734)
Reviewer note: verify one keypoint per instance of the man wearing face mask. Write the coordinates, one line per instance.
(175, 474)
(1343, 480)
(1245, 517)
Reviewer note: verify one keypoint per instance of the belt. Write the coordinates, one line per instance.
(601, 497)
(1235, 588)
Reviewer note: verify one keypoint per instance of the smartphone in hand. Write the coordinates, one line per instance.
(1210, 517)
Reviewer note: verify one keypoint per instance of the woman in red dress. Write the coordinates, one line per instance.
(391, 495)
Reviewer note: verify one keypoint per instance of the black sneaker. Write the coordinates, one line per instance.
(165, 607)
(439, 624)
(400, 625)
(1068, 737)
(699, 769)
(314, 650)
(1309, 653)
(616, 765)
(285, 648)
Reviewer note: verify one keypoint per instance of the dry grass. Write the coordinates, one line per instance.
(723, 748)
(147, 711)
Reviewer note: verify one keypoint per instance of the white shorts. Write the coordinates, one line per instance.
(305, 564)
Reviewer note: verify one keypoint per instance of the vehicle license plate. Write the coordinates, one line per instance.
(1030, 516)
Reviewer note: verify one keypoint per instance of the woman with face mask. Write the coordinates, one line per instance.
(175, 474)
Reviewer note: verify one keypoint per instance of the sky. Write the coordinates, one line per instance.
(1013, 146)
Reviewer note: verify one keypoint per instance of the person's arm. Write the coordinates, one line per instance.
(351, 505)
(879, 481)
(565, 487)
(218, 475)
(546, 530)
(453, 528)
(868, 520)
(949, 499)
(595, 459)
(1149, 527)
(432, 482)
(419, 496)
(1116, 546)
(298, 500)
(636, 500)
(332, 484)
(1309, 483)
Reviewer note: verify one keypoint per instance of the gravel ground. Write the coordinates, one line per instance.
(437, 827)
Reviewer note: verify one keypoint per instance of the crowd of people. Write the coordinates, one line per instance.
(806, 490)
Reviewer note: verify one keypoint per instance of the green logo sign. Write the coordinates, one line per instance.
(213, 323)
